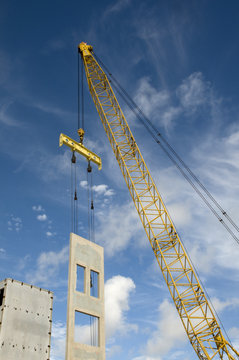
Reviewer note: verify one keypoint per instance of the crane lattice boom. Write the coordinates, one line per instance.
(191, 303)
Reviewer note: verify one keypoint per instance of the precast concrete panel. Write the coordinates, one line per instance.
(84, 302)
(25, 321)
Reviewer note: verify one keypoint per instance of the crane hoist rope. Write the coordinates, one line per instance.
(74, 197)
(195, 312)
(80, 99)
(91, 207)
(78, 147)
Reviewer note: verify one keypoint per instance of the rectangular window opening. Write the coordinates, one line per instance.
(1, 296)
(80, 278)
(86, 329)
(94, 283)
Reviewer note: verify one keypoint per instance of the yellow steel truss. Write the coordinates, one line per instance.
(191, 303)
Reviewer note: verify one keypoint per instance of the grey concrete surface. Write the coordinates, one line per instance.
(90, 256)
(25, 321)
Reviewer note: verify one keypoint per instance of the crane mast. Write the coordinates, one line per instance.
(195, 312)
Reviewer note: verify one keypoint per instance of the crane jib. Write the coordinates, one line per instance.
(195, 312)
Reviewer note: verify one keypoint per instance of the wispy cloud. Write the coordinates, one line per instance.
(115, 230)
(58, 341)
(5, 117)
(194, 92)
(194, 96)
(169, 333)
(116, 7)
(51, 109)
(54, 45)
(48, 167)
(47, 268)
(220, 305)
(164, 40)
(14, 223)
(37, 208)
(218, 173)
(157, 104)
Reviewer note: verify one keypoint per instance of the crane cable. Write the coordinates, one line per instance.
(91, 230)
(74, 197)
(80, 123)
(90, 191)
(90, 202)
(80, 92)
(157, 136)
(153, 131)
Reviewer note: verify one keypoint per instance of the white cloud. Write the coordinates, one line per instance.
(42, 217)
(156, 104)
(22, 263)
(169, 333)
(49, 233)
(5, 117)
(37, 208)
(48, 267)
(55, 45)
(169, 115)
(117, 226)
(220, 305)
(118, 6)
(117, 293)
(58, 341)
(117, 296)
(48, 167)
(51, 109)
(101, 189)
(219, 168)
(112, 350)
(209, 245)
(234, 336)
(164, 41)
(150, 99)
(194, 92)
(192, 96)
(234, 332)
(14, 223)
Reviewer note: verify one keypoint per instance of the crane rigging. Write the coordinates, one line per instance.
(193, 307)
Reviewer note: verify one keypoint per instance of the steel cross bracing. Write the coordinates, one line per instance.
(194, 310)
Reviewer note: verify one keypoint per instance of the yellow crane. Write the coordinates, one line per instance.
(195, 311)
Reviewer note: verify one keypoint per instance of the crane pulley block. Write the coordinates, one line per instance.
(81, 149)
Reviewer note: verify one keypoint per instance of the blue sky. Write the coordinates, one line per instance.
(179, 62)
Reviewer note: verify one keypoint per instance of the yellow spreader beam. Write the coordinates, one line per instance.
(81, 149)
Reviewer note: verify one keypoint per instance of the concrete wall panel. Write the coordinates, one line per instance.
(26, 318)
(91, 256)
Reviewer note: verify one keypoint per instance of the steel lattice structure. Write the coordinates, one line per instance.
(191, 303)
